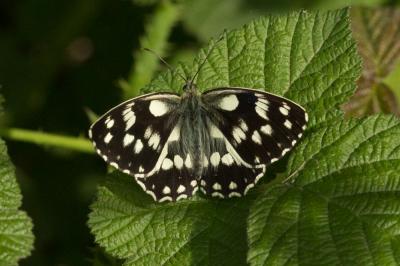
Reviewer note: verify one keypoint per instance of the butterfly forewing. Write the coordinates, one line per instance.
(262, 127)
(132, 135)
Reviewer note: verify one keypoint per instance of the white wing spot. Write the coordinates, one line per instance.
(148, 132)
(166, 198)
(284, 111)
(227, 159)
(114, 164)
(141, 169)
(229, 103)
(203, 183)
(215, 132)
(205, 161)
(234, 194)
(262, 105)
(232, 185)
(256, 137)
(108, 138)
(267, 130)
(217, 194)
(130, 119)
(158, 108)
(257, 160)
(261, 112)
(128, 139)
(216, 186)
(166, 190)
(274, 160)
(126, 171)
(243, 125)
(180, 189)
(138, 146)
(300, 134)
(294, 142)
(104, 157)
(110, 123)
(90, 133)
(167, 164)
(154, 141)
(175, 134)
(193, 183)
(286, 106)
(238, 134)
(306, 117)
(249, 186)
(178, 161)
(183, 196)
(151, 193)
(259, 176)
(288, 124)
(265, 101)
(188, 162)
(285, 151)
(215, 159)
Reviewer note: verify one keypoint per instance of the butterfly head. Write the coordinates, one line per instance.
(189, 87)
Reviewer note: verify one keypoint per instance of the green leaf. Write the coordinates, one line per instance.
(130, 225)
(343, 207)
(16, 238)
(309, 57)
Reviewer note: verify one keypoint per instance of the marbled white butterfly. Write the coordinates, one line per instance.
(220, 141)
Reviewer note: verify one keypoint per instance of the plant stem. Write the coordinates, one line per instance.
(46, 139)
(155, 38)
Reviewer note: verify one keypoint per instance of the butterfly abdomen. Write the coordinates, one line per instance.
(194, 135)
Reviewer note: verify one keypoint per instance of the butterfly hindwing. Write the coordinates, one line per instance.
(172, 178)
(131, 136)
(226, 173)
(262, 127)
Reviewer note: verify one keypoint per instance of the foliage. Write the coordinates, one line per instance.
(16, 238)
(341, 205)
(378, 36)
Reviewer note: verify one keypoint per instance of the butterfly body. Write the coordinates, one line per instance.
(220, 141)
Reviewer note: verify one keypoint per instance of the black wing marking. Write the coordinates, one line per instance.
(131, 136)
(262, 127)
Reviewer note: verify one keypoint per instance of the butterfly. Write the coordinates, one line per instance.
(219, 142)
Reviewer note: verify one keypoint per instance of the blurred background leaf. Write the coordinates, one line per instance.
(378, 34)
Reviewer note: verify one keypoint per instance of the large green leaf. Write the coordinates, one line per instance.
(309, 57)
(16, 238)
(343, 207)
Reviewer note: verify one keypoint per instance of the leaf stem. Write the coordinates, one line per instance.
(46, 139)
(155, 38)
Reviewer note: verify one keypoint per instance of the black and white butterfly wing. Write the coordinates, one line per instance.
(131, 136)
(258, 128)
(140, 137)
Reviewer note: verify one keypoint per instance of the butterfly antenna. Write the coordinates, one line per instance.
(165, 62)
(205, 59)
